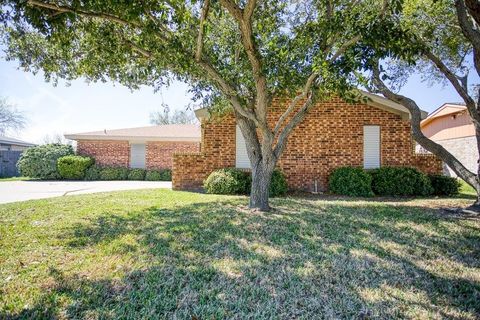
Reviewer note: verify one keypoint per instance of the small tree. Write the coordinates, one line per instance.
(238, 54)
(177, 117)
(10, 117)
(446, 34)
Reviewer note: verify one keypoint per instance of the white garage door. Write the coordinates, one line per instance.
(137, 155)
(371, 147)
(241, 158)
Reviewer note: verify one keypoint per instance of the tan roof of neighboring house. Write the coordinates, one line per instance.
(169, 132)
(373, 100)
(445, 110)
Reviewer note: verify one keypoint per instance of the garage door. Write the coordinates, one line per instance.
(137, 155)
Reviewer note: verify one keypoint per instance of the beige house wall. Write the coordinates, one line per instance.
(449, 127)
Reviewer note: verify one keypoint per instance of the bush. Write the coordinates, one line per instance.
(93, 173)
(41, 161)
(444, 186)
(400, 181)
(166, 175)
(351, 181)
(278, 184)
(159, 175)
(227, 181)
(136, 174)
(73, 167)
(113, 173)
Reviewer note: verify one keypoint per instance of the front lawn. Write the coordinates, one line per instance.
(158, 254)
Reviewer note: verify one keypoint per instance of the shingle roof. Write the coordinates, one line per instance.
(170, 132)
(16, 142)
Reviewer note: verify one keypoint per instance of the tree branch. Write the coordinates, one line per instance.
(461, 89)
(297, 118)
(417, 133)
(65, 9)
(310, 81)
(469, 31)
(473, 7)
(294, 102)
(203, 17)
(244, 21)
(344, 47)
(249, 8)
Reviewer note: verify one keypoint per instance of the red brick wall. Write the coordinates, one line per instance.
(159, 154)
(106, 153)
(330, 136)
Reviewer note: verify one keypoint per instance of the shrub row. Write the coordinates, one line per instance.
(57, 161)
(235, 181)
(390, 181)
(120, 173)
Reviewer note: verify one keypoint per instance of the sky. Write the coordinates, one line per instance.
(81, 107)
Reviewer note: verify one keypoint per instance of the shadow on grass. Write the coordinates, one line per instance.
(218, 260)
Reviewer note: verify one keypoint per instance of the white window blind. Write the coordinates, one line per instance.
(241, 156)
(137, 155)
(371, 147)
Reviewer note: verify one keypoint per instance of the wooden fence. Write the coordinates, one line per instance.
(8, 163)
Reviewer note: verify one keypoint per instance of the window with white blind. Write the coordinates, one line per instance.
(137, 155)
(241, 156)
(371, 147)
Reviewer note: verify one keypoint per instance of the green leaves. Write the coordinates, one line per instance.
(150, 42)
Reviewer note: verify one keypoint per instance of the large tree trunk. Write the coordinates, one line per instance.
(259, 194)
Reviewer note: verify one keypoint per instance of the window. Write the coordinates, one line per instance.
(371, 147)
(241, 156)
(137, 155)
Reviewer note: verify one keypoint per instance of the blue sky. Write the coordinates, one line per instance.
(82, 107)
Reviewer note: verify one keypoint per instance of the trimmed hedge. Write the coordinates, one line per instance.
(73, 167)
(136, 174)
(120, 173)
(444, 186)
(236, 181)
(227, 181)
(114, 173)
(400, 181)
(351, 181)
(278, 184)
(93, 173)
(159, 175)
(41, 161)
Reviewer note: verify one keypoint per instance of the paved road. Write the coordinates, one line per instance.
(13, 191)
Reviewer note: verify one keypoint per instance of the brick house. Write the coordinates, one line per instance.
(451, 126)
(333, 134)
(145, 147)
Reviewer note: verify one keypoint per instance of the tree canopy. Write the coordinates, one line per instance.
(235, 54)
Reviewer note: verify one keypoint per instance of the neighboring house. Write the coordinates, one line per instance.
(10, 151)
(145, 147)
(451, 126)
(333, 134)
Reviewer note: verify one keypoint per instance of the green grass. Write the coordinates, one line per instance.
(466, 190)
(15, 179)
(160, 254)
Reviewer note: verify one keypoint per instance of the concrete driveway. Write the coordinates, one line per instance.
(13, 191)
